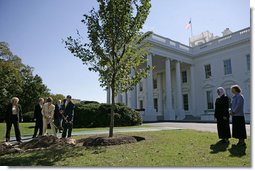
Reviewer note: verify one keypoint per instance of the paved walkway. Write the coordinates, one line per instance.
(211, 127)
(159, 126)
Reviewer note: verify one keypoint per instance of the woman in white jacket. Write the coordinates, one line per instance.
(48, 116)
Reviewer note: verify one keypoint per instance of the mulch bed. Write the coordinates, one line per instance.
(105, 140)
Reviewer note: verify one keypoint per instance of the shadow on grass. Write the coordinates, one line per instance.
(46, 157)
(219, 147)
(237, 150)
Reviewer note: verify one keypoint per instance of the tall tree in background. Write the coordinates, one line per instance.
(115, 45)
(17, 80)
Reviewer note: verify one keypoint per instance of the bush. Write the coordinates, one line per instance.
(87, 102)
(98, 115)
(28, 117)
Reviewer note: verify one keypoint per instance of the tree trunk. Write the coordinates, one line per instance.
(112, 114)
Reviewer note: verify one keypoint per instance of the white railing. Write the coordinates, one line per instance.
(223, 40)
(200, 48)
(168, 42)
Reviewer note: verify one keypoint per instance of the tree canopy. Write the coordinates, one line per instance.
(17, 79)
(116, 47)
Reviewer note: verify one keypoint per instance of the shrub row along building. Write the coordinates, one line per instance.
(183, 84)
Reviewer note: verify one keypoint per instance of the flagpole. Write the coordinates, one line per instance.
(191, 32)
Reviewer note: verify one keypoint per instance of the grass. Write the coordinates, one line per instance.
(28, 129)
(178, 148)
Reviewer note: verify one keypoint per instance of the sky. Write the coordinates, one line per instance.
(34, 30)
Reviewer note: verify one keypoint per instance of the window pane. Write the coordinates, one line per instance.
(208, 73)
(156, 104)
(185, 102)
(209, 100)
(227, 67)
(155, 85)
(141, 104)
(184, 77)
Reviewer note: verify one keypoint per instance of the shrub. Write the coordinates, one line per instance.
(28, 117)
(98, 115)
(87, 102)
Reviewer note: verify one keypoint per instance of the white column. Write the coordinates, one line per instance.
(178, 92)
(169, 114)
(160, 94)
(192, 98)
(132, 100)
(150, 114)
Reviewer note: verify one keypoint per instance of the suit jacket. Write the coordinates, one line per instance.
(237, 106)
(9, 113)
(48, 112)
(221, 107)
(68, 110)
(38, 113)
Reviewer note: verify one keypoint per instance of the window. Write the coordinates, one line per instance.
(227, 67)
(141, 86)
(156, 104)
(208, 72)
(141, 104)
(248, 60)
(184, 77)
(185, 102)
(209, 97)
(155, 85)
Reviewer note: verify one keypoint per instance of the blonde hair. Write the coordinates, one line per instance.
(15, 98)
(41, 99)
(236, 88)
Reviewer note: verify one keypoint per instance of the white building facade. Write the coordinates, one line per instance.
(183, 84)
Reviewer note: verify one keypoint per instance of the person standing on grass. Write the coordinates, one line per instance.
(237, 113)
(68, 115)
(13, 116)
(48, 116)
(222, 115)
(57, 116)
(38, 118)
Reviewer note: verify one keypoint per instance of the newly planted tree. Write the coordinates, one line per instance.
(115, 45)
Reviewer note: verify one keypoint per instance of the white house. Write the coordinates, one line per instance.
(183, 84)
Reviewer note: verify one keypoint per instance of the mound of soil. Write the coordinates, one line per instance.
(104, 140)
(52, 142)
(47, 142)
(6, 148)
(36, 144)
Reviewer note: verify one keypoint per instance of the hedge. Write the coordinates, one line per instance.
(98, 115)
(28, 117)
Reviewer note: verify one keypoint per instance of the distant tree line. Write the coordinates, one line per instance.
(17, 79)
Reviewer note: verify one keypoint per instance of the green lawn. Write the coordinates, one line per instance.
(161, 148)
(28, 129)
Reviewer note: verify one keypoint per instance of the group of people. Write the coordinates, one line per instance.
(59, 117)
(224, 108)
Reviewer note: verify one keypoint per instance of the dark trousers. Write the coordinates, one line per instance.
(67, 128)
(238, 127)
(15, 121)
(38, 125)
(223, 128)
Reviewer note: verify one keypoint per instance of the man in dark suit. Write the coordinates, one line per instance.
(68, 115)
(38, 118)
(57, 116)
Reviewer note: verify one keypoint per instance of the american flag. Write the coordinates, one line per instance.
(189, 25)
